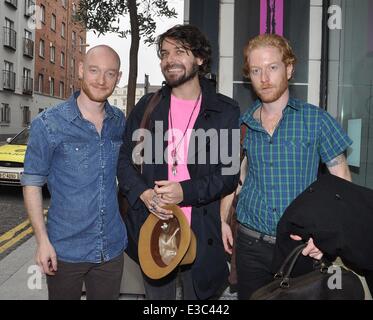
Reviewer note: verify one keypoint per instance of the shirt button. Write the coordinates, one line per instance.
(76, 149)
(102, 167)
(102, 210)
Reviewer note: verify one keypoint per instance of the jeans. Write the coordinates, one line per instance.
(165, 288)
(102, 280)
(253, 263)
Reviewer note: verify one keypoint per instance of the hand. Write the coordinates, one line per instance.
(155, 204)
(227, 237)
(46, 258)
(169, 191)
(310, 250)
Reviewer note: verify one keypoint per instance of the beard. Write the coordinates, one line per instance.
(94, 96)
(175, 81)
(275, 93)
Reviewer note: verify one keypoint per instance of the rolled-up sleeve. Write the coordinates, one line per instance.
(38, 155)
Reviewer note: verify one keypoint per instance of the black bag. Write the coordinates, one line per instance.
(311, 286)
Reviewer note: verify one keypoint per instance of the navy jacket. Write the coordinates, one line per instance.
(203, 191)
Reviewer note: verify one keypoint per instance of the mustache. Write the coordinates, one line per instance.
(174, 65)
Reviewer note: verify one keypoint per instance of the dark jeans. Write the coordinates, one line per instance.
(165, 288)
(253, 263)
(102, 280)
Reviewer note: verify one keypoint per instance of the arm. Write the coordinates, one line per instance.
(45, 256)
(339, 167)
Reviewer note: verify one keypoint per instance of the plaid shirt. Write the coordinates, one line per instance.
(284, 165)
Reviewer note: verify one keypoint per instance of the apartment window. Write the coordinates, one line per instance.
(73, 38)
(29, 8)
(28, 44)
(51, 86)
(52, 53)
(10, 35)
(4, 113)
(63, 26)
(9, 77)
(74, 8)
(62, 89)
(72, 66)
(81, 44)
(63, 3)
(26, 116)
(53, 22)
(42, 13)
(40, 83)
(27, 81)
(41, 48)
(62, 63)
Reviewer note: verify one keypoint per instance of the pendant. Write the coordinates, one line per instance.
(174, 168)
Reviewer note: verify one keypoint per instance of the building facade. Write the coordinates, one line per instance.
(17, 66)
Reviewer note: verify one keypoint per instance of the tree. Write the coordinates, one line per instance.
(104, 16)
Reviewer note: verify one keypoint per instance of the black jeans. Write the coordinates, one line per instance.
(102, 280)
(165, 288)
(253, 262)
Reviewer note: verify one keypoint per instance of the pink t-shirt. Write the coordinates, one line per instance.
(181, 112)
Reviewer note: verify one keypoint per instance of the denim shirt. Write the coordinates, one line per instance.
(79, 166)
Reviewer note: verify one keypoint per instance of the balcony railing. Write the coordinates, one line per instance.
(27, 85)
(28, 47)
(9, 80)
(29, 8)
(10, 38)
(13, 3)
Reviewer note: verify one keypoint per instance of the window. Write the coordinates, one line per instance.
(51, 87)
(81, 44)
(62, 63)
(27, 81)
(28, 44)
(41, 48)
(29, 9)
(52, 53)
(26, 116)
(42, 13)
(63, 3)
(10, 35)
(73, 38)
(62, 89)
(40, 83)
(71, 89)
(53, 22)
(63, 26)
(9, 77)
(74, 8)
(4, 113)
(72, 66)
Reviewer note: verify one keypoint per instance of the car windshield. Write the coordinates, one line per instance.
(21, 138)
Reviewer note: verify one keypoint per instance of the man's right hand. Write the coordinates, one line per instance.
(154, 204)
(46, 258)
(227, 237)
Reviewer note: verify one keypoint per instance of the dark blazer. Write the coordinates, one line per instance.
(338, 215)
(203, 191)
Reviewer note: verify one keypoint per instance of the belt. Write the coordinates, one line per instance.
(256, 235)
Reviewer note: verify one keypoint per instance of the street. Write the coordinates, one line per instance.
(15, 228)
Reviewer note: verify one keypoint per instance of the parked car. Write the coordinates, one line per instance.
(12, 157)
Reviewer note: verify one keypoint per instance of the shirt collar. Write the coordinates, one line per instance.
(248, 117)
(72, 110)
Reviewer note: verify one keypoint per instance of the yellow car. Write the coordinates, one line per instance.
(12, 157)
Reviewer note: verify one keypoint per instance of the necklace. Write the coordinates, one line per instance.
(175, 148)
(272, 130)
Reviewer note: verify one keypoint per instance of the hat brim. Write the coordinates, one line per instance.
(158, 270)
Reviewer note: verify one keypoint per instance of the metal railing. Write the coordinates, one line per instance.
(10, 38)
(27, 85)
(28, 47)
(9, 80)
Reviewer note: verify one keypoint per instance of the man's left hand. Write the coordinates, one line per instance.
(310, 250)
(170, 192)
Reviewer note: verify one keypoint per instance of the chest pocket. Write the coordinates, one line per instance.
(76, 155)
(298, 146)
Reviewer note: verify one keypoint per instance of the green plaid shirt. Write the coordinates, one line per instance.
(284, 165)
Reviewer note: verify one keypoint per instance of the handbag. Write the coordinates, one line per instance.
(324, 283)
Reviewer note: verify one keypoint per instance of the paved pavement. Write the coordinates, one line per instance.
(19, 279)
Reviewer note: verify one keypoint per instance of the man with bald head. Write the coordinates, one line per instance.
(73, 147)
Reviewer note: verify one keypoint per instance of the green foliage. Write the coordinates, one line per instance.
(103, 16)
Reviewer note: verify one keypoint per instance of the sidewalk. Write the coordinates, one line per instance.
(19, 281)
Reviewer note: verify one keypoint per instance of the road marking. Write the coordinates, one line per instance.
(16, 239)
(10, 235)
